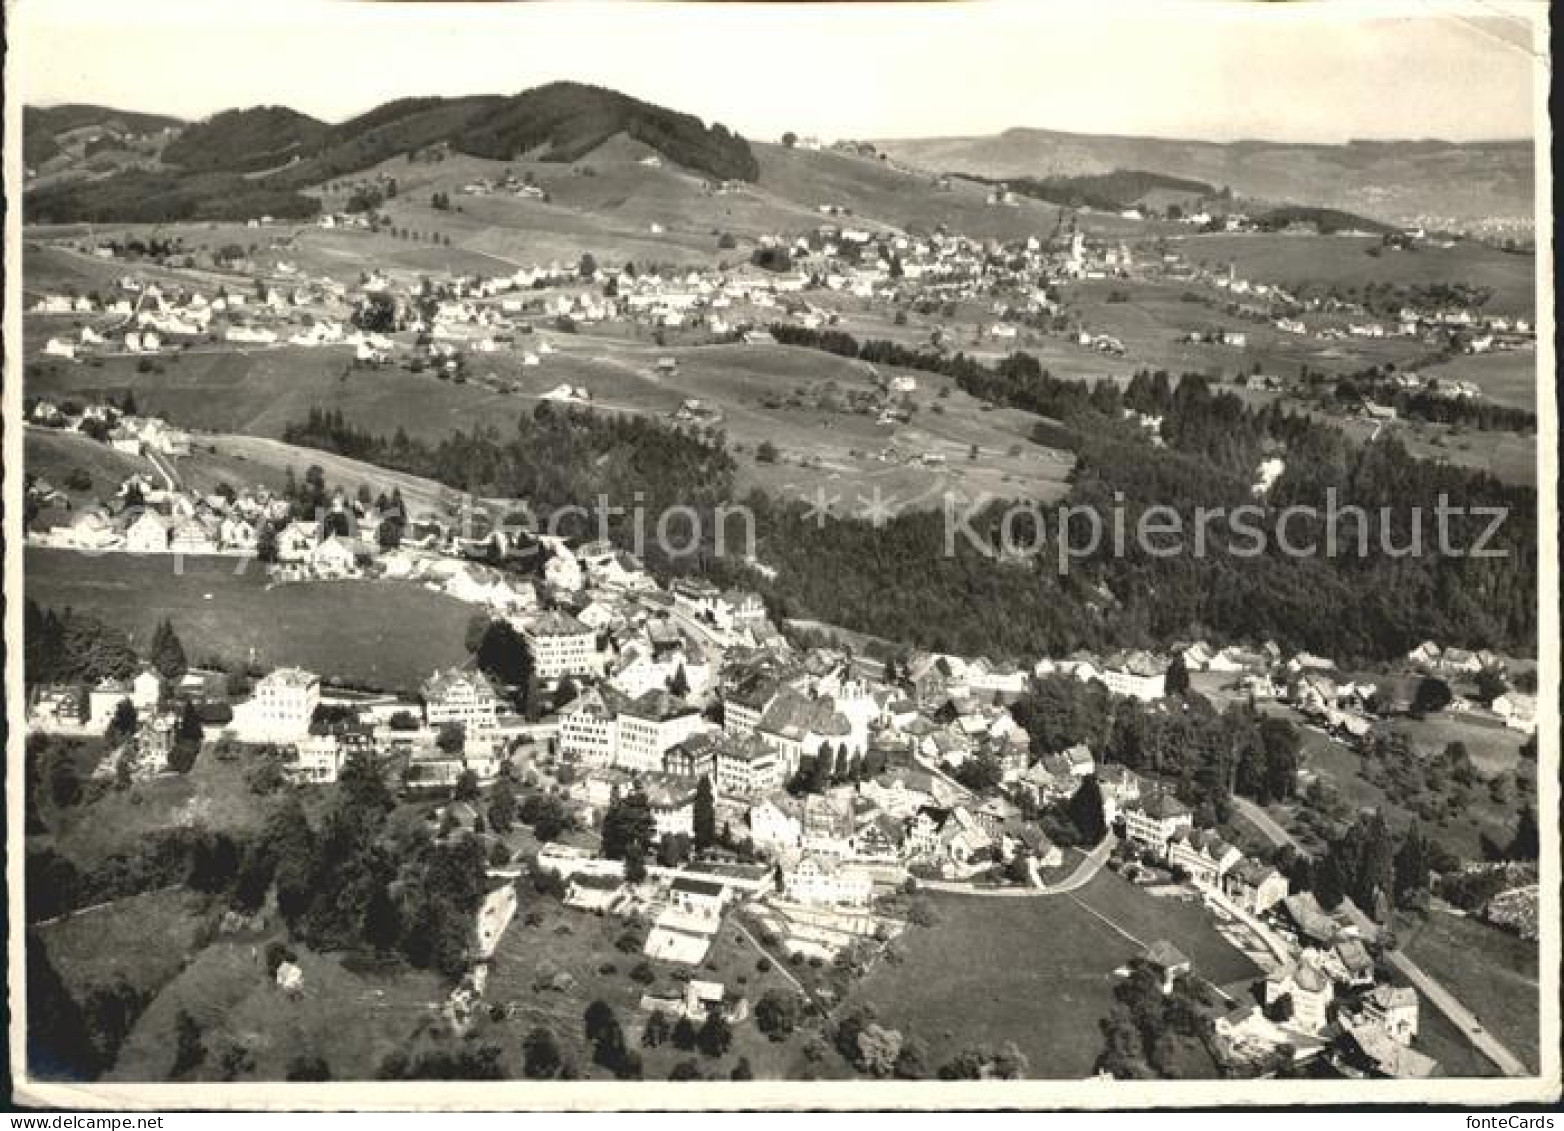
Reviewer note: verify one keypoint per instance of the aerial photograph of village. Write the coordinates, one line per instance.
(758, 552)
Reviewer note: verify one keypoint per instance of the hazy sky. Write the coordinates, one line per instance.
(1202, 68)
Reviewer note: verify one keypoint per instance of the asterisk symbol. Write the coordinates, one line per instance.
(819, 508)
(877, 508)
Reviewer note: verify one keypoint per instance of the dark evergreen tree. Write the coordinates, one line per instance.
(705, 816)
(167, 653)
(1086, 811)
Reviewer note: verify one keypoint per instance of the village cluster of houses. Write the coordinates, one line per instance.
(77, 710)
(1323, 994)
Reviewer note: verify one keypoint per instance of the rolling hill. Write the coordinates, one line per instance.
(284, 151)
(1396, 181)
(54, 131)
(244, 141)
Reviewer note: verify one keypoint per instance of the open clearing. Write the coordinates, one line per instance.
(1035, 971)
(226, 990)
(384, 634)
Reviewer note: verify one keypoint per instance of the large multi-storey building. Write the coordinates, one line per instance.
(1138, 675)
(649, 725)
(461, 696)
(746, 766)
(281, 706)
(561, 645)
(589, 730)
(1157, 820)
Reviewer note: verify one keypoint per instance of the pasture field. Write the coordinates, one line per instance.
(1155, 315)
(1438, 1037)
(1494, 747)
(793, 398)
(1492, 971)
(225, 988)
(1344, 260)
(385, 634)
(1036, 971)
(238, 460)
(91, 948)
(1509, 378)
(1506, 455)
(1509, 456)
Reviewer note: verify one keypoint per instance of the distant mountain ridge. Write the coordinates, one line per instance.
(1396, 181)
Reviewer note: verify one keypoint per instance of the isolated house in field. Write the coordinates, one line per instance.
(1168, 962)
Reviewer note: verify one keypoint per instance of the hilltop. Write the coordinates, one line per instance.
(241, 141)
(49, 132)
(1396, 181)
(286, 151)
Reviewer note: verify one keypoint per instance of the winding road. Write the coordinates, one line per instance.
(1084, 873)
